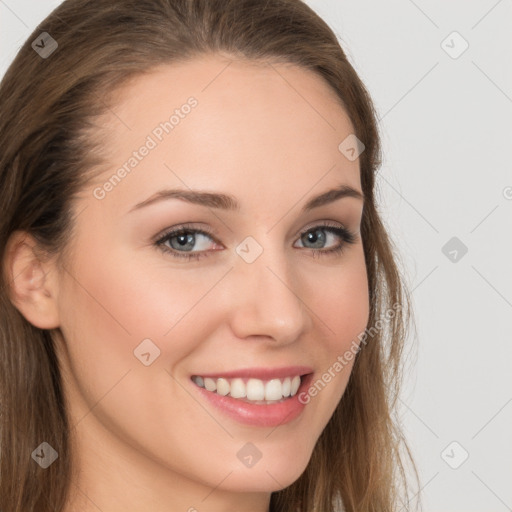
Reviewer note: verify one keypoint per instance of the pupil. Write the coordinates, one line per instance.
(184, 240)
(316, 237)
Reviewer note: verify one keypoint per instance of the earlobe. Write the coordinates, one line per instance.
(31, 287)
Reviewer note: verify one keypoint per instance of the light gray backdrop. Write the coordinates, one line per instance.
(440, 74)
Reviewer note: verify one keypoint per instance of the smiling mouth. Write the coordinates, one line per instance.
(250, 390)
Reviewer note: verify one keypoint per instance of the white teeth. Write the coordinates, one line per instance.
(210, 384)
(222, 387)
(287, 386)
(254, 389)
(237, 389)
(295, 385)
(273, 390)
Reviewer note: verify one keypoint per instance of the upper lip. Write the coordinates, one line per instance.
(262, 373)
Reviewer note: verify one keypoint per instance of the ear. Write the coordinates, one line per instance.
(31, 281)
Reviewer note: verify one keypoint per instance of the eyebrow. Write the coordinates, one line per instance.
(228, 202)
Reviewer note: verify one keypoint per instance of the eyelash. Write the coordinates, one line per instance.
(347, 238)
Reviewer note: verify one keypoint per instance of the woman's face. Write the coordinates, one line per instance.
(250, 291)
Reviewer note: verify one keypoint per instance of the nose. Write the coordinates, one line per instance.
(266, 300)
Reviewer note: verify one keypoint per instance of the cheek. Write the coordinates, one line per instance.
(115, 302)
(341, 304)
(342, 300)
(108, 307)
(111, 306)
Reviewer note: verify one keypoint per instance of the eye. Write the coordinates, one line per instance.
(182, 241)
(325, 234)
(192, 243)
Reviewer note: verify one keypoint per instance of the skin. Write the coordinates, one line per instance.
(141, 440)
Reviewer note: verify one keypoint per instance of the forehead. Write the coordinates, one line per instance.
(214, 121)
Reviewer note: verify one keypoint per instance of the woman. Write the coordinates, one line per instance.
(200, 305)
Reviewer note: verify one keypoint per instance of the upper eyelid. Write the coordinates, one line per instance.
(183, 228)
(163, 237)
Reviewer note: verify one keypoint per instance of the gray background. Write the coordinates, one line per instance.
(446, 127)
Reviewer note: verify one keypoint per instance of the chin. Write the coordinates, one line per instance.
(267, 476)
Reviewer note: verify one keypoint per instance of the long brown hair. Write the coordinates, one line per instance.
(48, 150)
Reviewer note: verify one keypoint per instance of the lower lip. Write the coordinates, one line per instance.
(259, 415)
